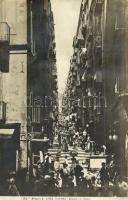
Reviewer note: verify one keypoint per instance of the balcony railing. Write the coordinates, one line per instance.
(90, 37)
(97, 103)
(2, 111)
(35, 114)
(83, 55)
(84, 30)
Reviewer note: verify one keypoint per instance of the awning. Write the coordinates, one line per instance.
(6, 132)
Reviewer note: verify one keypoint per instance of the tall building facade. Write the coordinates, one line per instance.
(13, 87)
(28, 78)
(115, 67)
(96, 91)
(42, 72)
(42, 77)
(85, 86)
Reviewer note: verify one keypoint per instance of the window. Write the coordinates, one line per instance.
(117, 85)
(122, 18)
(98, 76)
(4, 32)
(2, 111)
(33, 48)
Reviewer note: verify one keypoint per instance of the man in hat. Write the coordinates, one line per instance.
(104, 177)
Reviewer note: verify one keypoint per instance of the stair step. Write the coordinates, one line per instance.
(52, 150)
(81, 156)
(77, 158)
(36, 156)
(55, 144)
(69, 154)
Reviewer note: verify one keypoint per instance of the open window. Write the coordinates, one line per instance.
(2, 111)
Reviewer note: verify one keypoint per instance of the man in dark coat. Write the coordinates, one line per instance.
(78, 169)
(104, 177)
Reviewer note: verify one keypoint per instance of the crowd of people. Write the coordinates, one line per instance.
(70, 136)
(68, 178)
(53, 178)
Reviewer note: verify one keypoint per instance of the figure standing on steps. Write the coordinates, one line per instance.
(65, 145)
(57, 166)
(59, 137)
(66, 159)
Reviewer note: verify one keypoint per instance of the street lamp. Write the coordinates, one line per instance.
(113, 136)
(110, 137)
(87, 125)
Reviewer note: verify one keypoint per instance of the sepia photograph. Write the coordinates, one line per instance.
(63, 99)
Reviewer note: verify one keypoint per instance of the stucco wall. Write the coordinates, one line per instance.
(14, 89)
(15, 81)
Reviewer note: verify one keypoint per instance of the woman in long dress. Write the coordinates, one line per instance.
(65, 145)
(88, 143)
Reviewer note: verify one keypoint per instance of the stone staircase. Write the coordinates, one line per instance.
(81, 156)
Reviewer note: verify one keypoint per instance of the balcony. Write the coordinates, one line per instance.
(84, 30)
(54, 74)
(74, 73)
(83, 56)
(95, 103)
(2, 111)
(78, 42)
(55, 86)
(98, 77)
(99, 104)
(90, 37)
(75, 52)
(73, 79)
(52, 55)
(53, 36)
(87, 78)
(121, 22)
(74, 59)
(98, 45)
(54, 45)
(81, 42)
(75, 44)
(4, 32)
(98, 7)
(4, 46)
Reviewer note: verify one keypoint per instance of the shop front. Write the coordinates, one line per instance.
(120, 116)
(9, 148)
